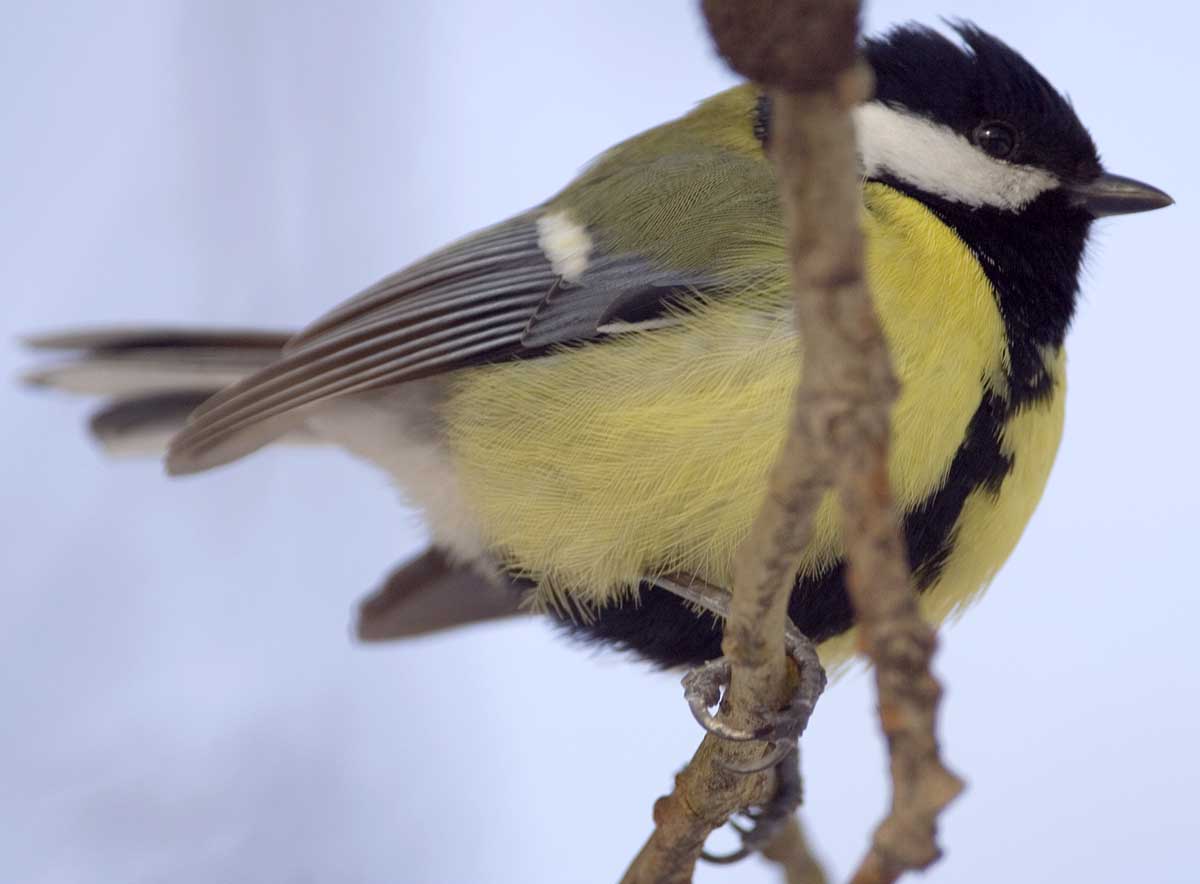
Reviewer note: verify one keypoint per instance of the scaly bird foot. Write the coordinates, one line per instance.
(767, 820)
(704, 687)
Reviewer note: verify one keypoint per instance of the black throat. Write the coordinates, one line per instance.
(1032, 259)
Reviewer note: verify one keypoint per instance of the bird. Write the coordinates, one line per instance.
(584, 400)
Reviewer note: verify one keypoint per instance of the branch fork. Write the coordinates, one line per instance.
(805, 53)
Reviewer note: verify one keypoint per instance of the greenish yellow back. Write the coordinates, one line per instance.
(596, 467)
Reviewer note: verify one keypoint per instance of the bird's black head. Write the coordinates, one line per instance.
(972, 130)
(988, 95)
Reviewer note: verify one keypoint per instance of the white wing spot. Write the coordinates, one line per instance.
(565, 243)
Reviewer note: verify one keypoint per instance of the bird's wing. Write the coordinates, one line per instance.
(494, 295)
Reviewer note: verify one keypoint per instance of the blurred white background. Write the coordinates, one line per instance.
(182, 698)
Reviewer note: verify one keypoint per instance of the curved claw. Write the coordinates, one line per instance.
(754, 838)
(751, 814)
(725, 859)
(779, 751)
(706, 682)
(702, 688)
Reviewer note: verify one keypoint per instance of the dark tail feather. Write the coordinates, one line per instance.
(151, 379)
(429, 594)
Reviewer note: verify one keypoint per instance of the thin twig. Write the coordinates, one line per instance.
(804, 51)
(828, 255)
(790, 850)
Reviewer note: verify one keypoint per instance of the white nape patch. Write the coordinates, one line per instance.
(938, 160)
(565, 243)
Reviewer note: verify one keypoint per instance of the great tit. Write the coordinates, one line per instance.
(587, 397)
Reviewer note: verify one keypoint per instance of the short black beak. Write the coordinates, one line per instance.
(1116, 195)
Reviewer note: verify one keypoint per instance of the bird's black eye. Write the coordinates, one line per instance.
(997, 139)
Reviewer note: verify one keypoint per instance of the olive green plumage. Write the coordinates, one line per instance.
(588, 395)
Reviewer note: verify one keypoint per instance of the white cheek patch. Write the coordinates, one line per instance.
(937, 160)
(565, 243)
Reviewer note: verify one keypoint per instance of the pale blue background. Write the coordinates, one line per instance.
(181, 698)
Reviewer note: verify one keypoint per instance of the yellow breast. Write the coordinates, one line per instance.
(594, 468)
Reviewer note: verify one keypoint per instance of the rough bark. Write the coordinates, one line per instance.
(804, 53)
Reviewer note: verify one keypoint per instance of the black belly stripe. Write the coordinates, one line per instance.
(661, 628)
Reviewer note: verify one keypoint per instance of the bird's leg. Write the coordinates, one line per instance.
(704, 685)
(703, 688)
